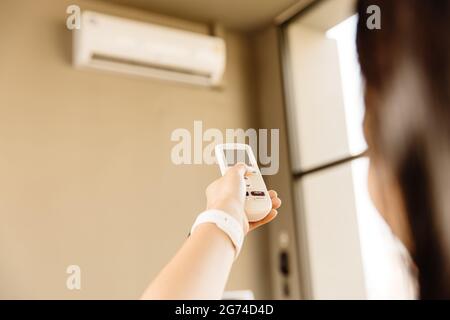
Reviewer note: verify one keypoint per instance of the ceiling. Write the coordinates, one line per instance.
(245, 15)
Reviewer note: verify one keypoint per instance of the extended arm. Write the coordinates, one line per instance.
(200, 269)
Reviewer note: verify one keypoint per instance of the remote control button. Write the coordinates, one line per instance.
(258, 193)
(246, 194)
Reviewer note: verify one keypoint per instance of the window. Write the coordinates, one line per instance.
(351, 251)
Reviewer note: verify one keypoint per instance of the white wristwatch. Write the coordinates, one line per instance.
(226, 223)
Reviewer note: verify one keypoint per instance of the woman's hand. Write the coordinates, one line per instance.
(228, 194)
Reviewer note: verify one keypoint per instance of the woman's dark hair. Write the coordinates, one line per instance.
(406, 68)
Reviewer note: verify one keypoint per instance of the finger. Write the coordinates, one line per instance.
(273, 194)
(276, 203)
(238, 169)
(272, 214)
(241, 168)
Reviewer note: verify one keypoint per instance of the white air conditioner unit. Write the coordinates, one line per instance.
(121, 45)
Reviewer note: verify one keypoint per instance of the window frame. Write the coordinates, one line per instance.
(297, 175)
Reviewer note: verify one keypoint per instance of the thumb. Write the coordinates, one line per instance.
(238, 169)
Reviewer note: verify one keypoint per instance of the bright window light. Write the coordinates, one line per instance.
(345, 35)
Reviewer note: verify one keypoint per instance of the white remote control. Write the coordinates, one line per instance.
(257, 202)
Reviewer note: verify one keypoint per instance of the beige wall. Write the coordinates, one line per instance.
(85, 170)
